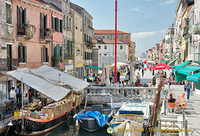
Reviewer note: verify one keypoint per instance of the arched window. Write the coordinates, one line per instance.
(21, 53)
(44, 54)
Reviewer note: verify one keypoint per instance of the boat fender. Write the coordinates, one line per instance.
(29, 128)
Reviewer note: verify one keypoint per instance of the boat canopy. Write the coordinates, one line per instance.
(172, 63)
(58, 77)
(50, 90)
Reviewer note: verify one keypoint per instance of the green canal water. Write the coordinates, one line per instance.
(70, 129)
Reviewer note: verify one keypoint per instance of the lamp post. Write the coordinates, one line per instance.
(115, 41)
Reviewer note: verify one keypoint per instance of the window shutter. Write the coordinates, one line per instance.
(52, 48)
(18, 18)
(23, 53)
(41, 25)
(47, 57)
(61, 49)
(42, 54)
(71, 48)
(52, 22)
(24, 18)
(61, 26)
(19, 55)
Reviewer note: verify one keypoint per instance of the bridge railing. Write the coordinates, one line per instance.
(144, 92)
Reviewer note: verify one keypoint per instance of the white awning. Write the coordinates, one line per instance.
(58, 77)
(50, 90)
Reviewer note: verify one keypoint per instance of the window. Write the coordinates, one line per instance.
(21, 20)
(8, 14)
(121, 47)
(69, 49)
(56, 24)
(105, 47)
(99, 47)
(70, 24)
(105, 54)
(85, 37)
(44, 54)
(21, 53)
(43, 25)
(103, 37)
(61, 26)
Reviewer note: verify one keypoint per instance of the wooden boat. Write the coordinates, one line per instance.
(50, 117)
(89, 124)
(134, 110)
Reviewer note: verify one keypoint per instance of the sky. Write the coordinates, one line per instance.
(146, 20)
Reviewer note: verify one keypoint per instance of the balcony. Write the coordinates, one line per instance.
(89, 45)
(46, 35)
(196, 29)
(25, 31)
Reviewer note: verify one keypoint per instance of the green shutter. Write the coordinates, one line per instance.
(61, 53)
(42, 54)
(24, 53)
(71, 49)
(46, 53)
(19, 55)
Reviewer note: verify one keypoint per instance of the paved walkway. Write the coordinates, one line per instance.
(192, 110)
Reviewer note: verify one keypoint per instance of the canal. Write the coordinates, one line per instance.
(68, 128)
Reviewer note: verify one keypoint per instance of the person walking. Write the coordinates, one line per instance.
(187, 88)
(138, 77)
(18, 94)
(169, 82)
(142, 72)
(153, 81)
(126, 78)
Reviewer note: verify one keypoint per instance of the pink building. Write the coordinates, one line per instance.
(37, 32)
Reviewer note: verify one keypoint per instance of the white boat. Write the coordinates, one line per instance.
(134, 110)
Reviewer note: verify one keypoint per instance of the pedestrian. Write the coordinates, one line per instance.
(138, 77)
(30, 94)
(126, 78)
(187, 89)
(171, 102)
(154, 81)
(88, 78)
(18, 94)
(169, 82)
(85, 79)
(110, 76)
(12, 95)
(142, 72)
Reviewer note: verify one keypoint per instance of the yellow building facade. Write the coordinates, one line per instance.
(77, 36)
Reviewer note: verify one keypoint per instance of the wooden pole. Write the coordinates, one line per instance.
(22, 98)
(156, 105)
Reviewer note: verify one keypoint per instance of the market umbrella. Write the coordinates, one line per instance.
(160, 66)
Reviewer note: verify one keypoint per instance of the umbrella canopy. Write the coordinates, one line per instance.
(160, 67)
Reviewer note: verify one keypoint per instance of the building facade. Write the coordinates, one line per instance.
(77, 34)
(6, 35)
(107, 52)
(41, 35)
(87, 36)
(169, 54)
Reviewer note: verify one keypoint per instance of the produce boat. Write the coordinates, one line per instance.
(94, 117)
(134, 110)
(50, 117)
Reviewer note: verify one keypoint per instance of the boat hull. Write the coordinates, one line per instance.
(38, 127)
(89, 124)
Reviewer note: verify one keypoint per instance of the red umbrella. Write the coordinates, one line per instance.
(160, 67)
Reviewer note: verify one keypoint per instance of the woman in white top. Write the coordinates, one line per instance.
(12, 94)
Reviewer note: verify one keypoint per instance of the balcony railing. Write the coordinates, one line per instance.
(26, 30)
(8, 64)
(46, 35)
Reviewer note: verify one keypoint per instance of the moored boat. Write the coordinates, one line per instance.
(134, 110)
(94, 117)
(50, 117)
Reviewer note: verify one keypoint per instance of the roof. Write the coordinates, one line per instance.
(181, 65)
(52, 75)
(52, 91)
(108, 32)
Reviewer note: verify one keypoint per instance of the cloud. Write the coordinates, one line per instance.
(136, 9)
(148, 0)
(167, 2)
(147, 34)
